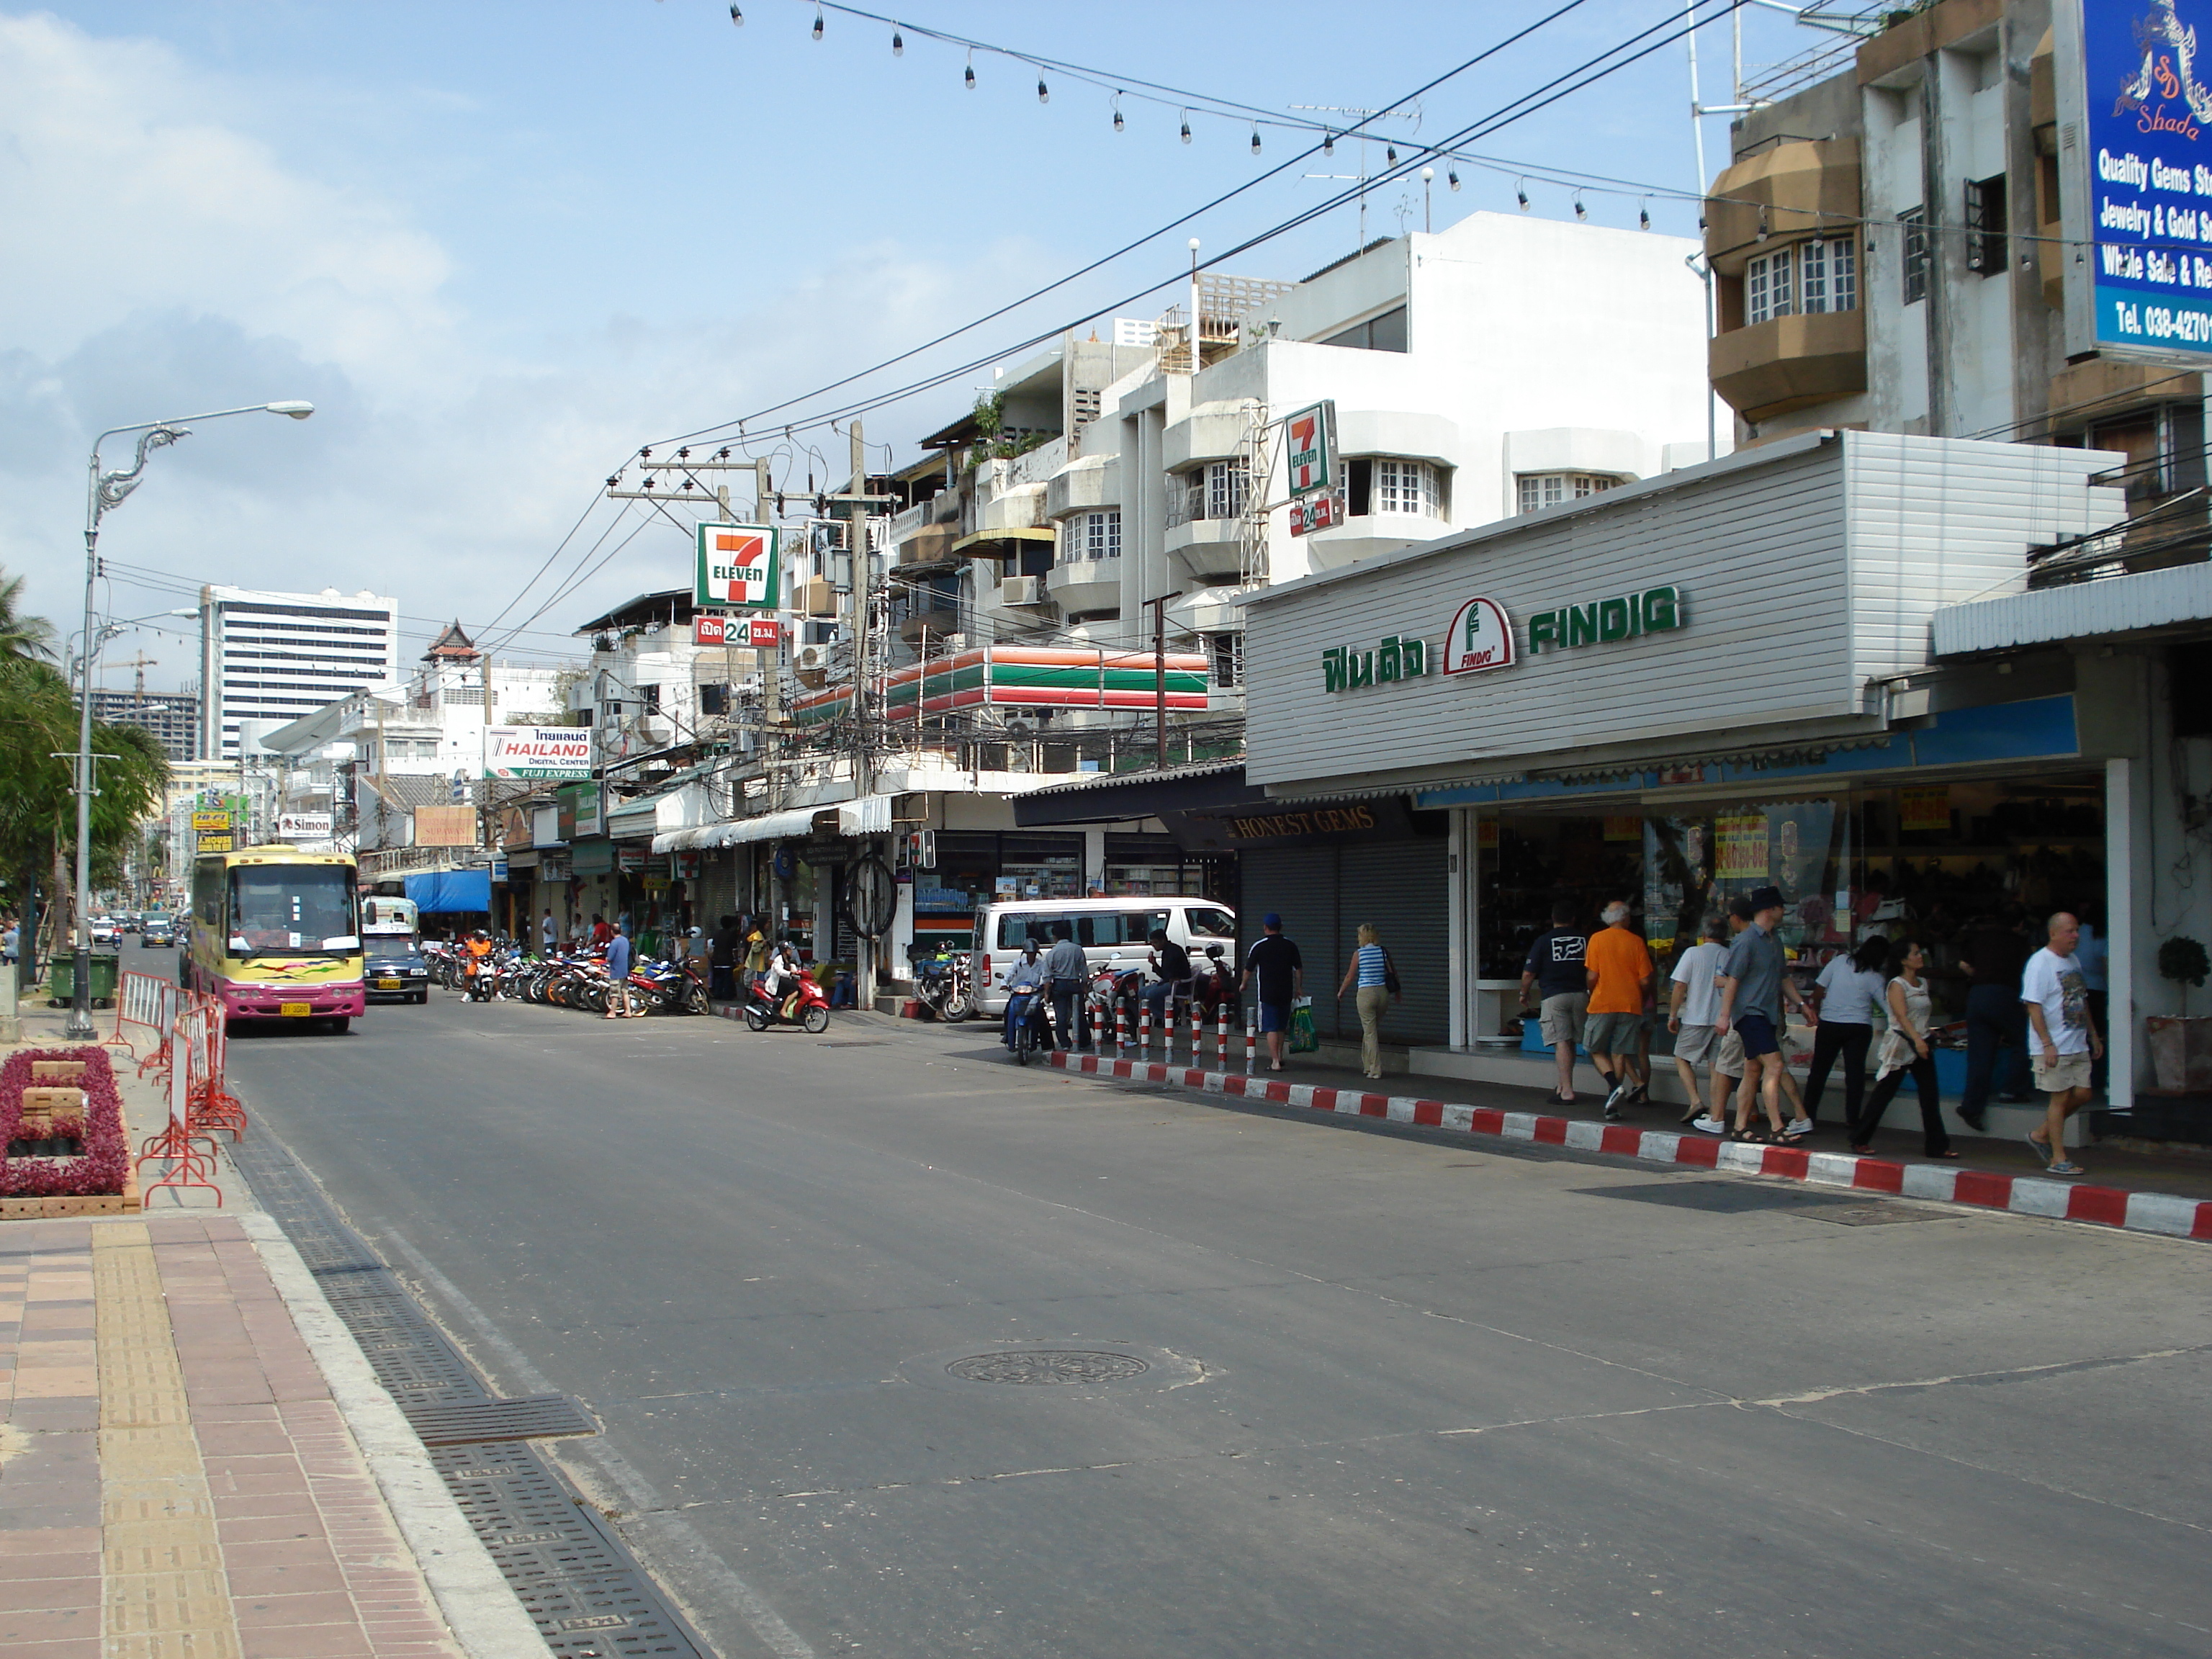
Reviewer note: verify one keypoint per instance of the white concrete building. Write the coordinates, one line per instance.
(274, 657)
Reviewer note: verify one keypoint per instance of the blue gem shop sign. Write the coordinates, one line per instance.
(2150, 175)
(1481, 639)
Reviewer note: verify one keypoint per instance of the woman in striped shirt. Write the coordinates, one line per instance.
(1371, 968)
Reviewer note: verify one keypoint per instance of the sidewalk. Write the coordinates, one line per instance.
(183, 1472)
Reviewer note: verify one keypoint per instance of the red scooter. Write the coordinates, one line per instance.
(804, 1007)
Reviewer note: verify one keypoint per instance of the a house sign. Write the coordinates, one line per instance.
(1396, 658)
(1481, 638)
(1603, 622)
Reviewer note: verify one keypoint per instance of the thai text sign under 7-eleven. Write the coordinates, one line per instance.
(737, 567)
(1309, 448)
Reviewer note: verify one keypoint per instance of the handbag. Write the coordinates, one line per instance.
(1304, 1040)
(1390, 974)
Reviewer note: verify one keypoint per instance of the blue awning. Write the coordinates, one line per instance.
(452, 892)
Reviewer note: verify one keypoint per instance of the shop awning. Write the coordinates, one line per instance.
(871, 815)
(451, 892)
(2146, 602)
(1114, 796)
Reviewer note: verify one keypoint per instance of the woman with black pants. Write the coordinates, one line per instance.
(1849, 991)
(1905, 1052)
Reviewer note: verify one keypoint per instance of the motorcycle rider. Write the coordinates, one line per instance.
(1024, 980)
(478, 953)
(779, 983)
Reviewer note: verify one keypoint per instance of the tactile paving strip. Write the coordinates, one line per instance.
(588, 1594)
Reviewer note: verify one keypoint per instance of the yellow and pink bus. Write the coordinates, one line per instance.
(275, 934)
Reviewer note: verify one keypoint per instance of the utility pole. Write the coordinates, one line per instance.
(1160, 681)
(863, 778)
(771, 662)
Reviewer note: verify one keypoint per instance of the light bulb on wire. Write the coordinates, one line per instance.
(1520, 193)
(898, 44)
(1643, 216)
(1255, 138)
(1328, 144)
(1186, 126)
(1390, 155)
(1044, 92)
(1119, 123)
(737, 17)
(817, 22)
(968, 74)
(1581, 212)
(1454, 176)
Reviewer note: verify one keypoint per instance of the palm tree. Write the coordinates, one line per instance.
(27, 638)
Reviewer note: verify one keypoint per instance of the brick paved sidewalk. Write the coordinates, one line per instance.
(175, 1478)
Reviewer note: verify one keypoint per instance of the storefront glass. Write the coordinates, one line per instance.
(1926, 860)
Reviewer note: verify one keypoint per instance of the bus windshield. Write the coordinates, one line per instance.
(292, 908)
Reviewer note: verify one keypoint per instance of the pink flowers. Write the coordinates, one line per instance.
(99, 1171)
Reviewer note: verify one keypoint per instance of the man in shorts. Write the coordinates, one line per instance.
(1554, 973)
(1753, 988)
(1694, 1001)
(1617, 967)
(2066, 1043)
(1274, 962)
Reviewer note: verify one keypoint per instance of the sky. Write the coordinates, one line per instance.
(500, 246)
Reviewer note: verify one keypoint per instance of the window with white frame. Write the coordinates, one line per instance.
(1098, 536)
(1405, 487)
(1828, 275)
(1767, 291)
(1224, 489)
(1539, 490)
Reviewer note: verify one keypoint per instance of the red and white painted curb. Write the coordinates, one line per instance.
(2065, 1200)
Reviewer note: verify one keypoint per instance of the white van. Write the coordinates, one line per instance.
(1106, 928)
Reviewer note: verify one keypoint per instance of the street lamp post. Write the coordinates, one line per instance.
(105, 490)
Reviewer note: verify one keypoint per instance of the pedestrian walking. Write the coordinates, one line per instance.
(1553, 985)
(722, 956)
(2066, 1041)
(1993, 955)
(548, 934)
(1067, 967)
(1693, 1004)
(1753, 989)
(1906, 1052)
(1617, 967)
(1273, 967)
(1377, 982)
(618, 974)
(1849, 992)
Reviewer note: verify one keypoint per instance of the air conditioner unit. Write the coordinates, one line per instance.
(1022, 590)
(954, 642)
(813, 659)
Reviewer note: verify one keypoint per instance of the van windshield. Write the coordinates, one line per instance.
(1087, 927)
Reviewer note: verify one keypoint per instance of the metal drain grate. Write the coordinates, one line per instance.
(1048, 1366)
(585, 1591)
(530, 1417)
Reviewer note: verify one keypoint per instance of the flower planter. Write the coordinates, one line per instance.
(2180, 1053)
(72, 1091)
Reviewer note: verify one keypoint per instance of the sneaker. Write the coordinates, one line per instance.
(1615, 1097)
(1802, 1126)
(1710, 1126)
(1612, 1111)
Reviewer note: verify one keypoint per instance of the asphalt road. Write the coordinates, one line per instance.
(1405, 1397)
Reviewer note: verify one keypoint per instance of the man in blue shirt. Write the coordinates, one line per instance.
(1024, 980)
(619, 973)
(1067, 967)
(1753, 987)
(1554, 973)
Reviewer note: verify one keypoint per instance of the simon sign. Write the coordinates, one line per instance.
(737, 567)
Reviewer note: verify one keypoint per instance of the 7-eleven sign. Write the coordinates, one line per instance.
(1309, 448)
(737, 567)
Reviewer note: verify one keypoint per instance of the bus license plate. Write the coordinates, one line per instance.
(293, 1010)
(387, 985)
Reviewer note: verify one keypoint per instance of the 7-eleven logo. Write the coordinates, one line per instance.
(1306, 455)
(736, 565)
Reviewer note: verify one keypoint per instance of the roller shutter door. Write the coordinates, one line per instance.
(1323, 894)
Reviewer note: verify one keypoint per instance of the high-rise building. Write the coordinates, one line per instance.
(267, 659)
(173, 717)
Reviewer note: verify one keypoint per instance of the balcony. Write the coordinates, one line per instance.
(1086, 585)
(1790, 362)
(1797, 187)
(929, 547)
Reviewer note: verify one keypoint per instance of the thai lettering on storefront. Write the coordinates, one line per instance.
(1398, 658)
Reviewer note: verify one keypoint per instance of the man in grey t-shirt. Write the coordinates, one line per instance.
(1753, 988)
(1066, 968)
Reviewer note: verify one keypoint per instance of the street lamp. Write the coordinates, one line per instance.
(105, 490)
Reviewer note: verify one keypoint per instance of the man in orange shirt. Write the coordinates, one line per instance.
(1618, 969)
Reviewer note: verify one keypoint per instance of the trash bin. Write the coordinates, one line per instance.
(107, 974)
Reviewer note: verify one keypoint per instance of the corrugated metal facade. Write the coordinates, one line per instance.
(1324, 893)
(2112, 604)
(1806, 569)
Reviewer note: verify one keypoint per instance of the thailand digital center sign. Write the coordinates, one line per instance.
(2147, 112)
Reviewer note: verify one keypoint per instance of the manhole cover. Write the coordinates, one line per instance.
(1048, 1366)
(855, 1042)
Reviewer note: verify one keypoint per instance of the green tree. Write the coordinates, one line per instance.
(21, 636)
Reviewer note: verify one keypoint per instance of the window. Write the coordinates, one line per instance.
(652, 695)
(1914, 264)
(1405, 487)
(1383, 333)
(1227, 650)
(1224, 489)
(1828, 276)
(1098, 536)
(1985, 225)
(1766, 288)
(1539, 490)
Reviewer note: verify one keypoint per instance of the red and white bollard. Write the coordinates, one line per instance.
(1144, 1033)
(1251, 1041)
(1197, 1034)
(1120, 1030)
(1221, 1038)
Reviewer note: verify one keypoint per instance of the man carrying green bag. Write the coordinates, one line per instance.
(1304, 1040)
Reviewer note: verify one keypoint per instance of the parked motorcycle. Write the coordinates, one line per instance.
(945, 982)
(804, 1007)
(1117, 985)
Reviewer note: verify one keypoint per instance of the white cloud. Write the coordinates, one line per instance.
(160, 259)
